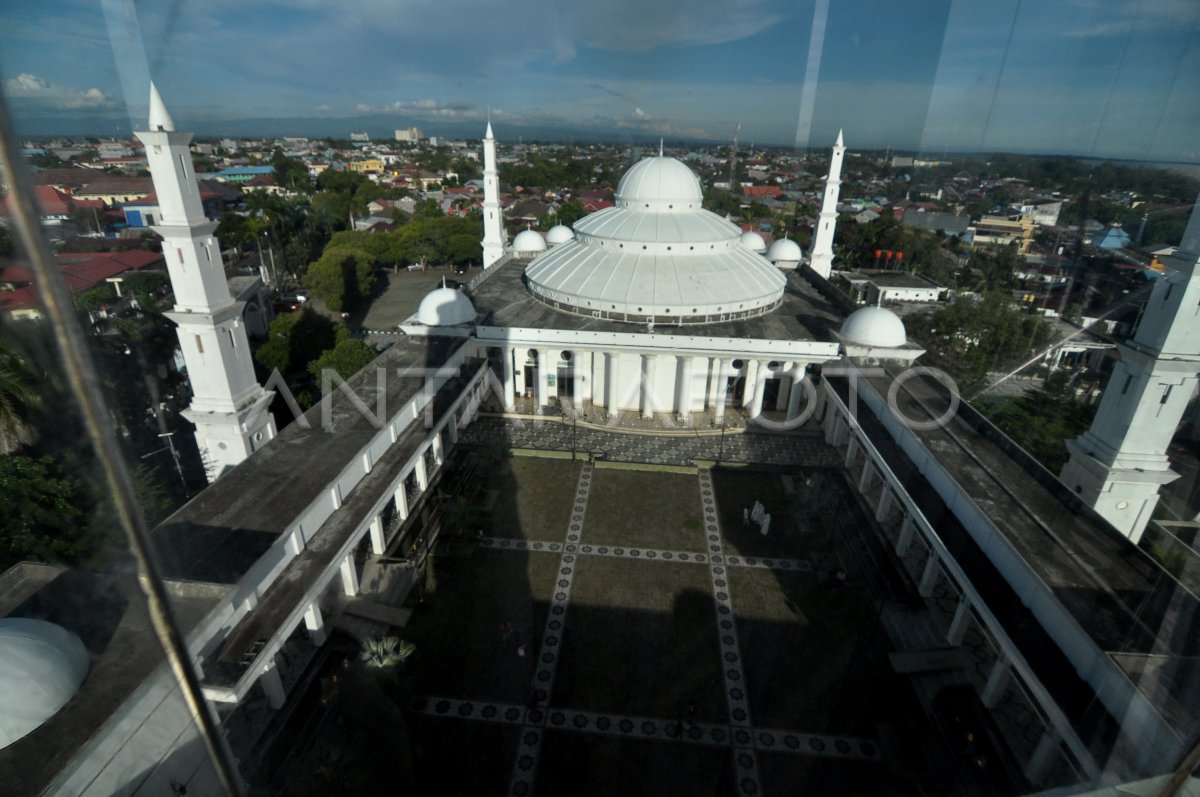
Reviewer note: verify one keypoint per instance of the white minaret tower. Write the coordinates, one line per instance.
(229, 408)
(1118, 465)
(821, 259)
(494, 238)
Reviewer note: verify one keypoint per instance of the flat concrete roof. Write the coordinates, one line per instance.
(108, 613)
(893, 279)
(803, 315)
(221, 532)
(228, 663)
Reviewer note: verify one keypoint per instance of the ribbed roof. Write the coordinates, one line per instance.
(656, 255)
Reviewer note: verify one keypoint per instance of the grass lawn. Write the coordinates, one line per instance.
(462, 757)
(741, 488)
(534, 498)
(460, 652)
(821, 671)
(638, 509)
(641, 639)
(585, 764)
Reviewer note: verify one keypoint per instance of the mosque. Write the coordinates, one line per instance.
(1081, 647)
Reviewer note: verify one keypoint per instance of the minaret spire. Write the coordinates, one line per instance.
(493, 217)
(1119, 464)
(821, 258)
(229, 408)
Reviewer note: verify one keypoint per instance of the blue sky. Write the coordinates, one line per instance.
(1088, 77)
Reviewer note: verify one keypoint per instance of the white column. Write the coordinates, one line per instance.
(683, 398)
(349, 575)
(612, 367)
(1038, 766)
(540, 392)
(958, 626)
(864, 480)
(851, 451)
(439, 455)
(315, 624)
(713, 368)
(785, 387)
(401, 498)
(272, 685)
(929, 576)
(796, 391)
(649, 368)
(750, 398)
(452, 424)
(377, 541)
(579, 375)
(510, 377)
(721, 391)
(885, 503)
(519, 358)
(419, 469)
(907, 528)
(997, 682)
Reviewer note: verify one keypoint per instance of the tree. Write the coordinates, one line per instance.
(296, 339)
(385, 652)
(346, 358)
(18, 396)
(1043, 418)
(42, 512)
(427, 209)
(341, 277)
(234, 229)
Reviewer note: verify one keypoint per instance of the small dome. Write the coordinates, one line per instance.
(42, 665)
(559, 234)
(445, 307)
(662, 183)
(785, 250)
(875, 326)
(754, 241)
(529, 241)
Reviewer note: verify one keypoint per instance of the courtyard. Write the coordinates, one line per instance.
(620, 630)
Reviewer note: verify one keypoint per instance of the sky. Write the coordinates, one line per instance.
(1096, 78)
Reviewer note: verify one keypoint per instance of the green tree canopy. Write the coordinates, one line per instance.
(42, 512)
(347, 357)
(341, 277)
(296, 339)
(1044, 418)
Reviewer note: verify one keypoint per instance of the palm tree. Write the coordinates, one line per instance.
(386, 652)
(18, 397)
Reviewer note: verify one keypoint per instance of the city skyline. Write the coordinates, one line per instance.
(1092, 78)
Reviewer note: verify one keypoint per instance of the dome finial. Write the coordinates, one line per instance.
(160, 120)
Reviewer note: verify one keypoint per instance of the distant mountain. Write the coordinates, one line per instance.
(379, 126)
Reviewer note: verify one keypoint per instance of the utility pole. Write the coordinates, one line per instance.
(733, 156)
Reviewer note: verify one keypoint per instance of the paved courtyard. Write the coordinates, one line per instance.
(639, 651)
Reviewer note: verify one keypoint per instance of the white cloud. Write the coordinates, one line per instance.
(424, 108)
(35, 89)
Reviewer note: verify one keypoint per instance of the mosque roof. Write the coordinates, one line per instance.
(658, 256)
(875, 326)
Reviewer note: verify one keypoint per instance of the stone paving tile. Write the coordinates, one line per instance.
(657, 728)
(648, 554)
(750, 447)
(745, 759)
(524, 773)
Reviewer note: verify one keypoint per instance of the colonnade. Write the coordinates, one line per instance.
(650, 383)
(1003, 679)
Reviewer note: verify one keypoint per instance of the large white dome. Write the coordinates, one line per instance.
(445, 307)
(42, 665)
(875, 326)
(658, 257)
(754, 241)
(784, 250)
(659, 183)
(529, 241)
(559, 234)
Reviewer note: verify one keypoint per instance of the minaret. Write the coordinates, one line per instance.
(821, 259)
(1118, 465)
(229, 408)
(493, 218)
